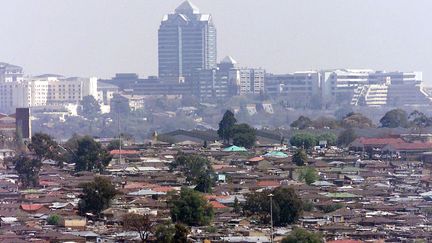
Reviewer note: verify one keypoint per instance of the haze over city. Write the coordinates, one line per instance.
(182, 121)
(100, 38)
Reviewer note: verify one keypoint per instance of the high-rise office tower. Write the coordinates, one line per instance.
(187, 42)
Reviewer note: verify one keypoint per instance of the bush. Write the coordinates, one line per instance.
(54, 219)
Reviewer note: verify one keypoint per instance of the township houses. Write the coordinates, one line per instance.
(354, 197)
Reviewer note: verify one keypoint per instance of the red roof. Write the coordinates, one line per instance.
(345, 241)
(268, 183)
(217, 205)
(124, 152)
(378, 141)
(256, 159)
(31, 207)
(411, 146)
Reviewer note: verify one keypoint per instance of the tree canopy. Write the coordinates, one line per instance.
(139, 223)
(328, 136)
(287, 206)
(308, 175)
(303, 140)
(302, 122)
(88, 155)
(190, 208)
(90, 107)
(44, 147)
(356, 120)
(96, 195)
(419, 119)
(226, 125)
(119, 105)
(346, 137)
(300, 157)
(169, 233)
(28, 170)
(299, 235)
(395, 118)
(197, 170)
(243, 135)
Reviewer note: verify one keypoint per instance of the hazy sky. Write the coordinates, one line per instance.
(102, 37)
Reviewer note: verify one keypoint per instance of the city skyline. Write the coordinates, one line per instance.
(388, 40)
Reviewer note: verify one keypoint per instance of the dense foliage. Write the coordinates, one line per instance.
(308, 174)
(28, 170)
(303, 140)
(96, 195)
(197, 170)
(88, 155)
(90, 107)
(300, 235)
(302, 122)
(44, 147)
(395, 118)
(53, 219)
(190, 208)
(356, 120)
(287, 206)
(226, 125)
(346, 137)
(300, 157)
(243, 135)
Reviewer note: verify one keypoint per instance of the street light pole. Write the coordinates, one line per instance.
(271, 217)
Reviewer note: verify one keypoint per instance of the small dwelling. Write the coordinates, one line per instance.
(74, 222)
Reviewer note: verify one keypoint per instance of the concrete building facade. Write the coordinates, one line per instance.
(187, 42)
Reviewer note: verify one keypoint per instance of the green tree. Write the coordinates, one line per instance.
(300, 157)
(419, 120)
(243, 135)
(299, 235)
(119, 105)
(28, 170)
(114, 144)
(89, 155)
(308, 175)
(329, 137)
(181, 233)
(226, 125)
(322, 122)
(356, 120)
(139, 223)
(190, 208)
(330, 207)
(302, 122)
(44, 147)
(287, 206)
(90, 107)
(165, 233)
(197, 170)
(204, 183)
(54, 219)
(395, 118)
(346, 137)
(303, 140)
(96, 195)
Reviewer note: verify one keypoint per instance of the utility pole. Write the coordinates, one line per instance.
(271, 217)
(119, 136)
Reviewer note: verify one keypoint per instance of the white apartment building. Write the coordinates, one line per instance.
(248, 80)
(303, 84)
(45, 90)
(339, 85)
(373, 88)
